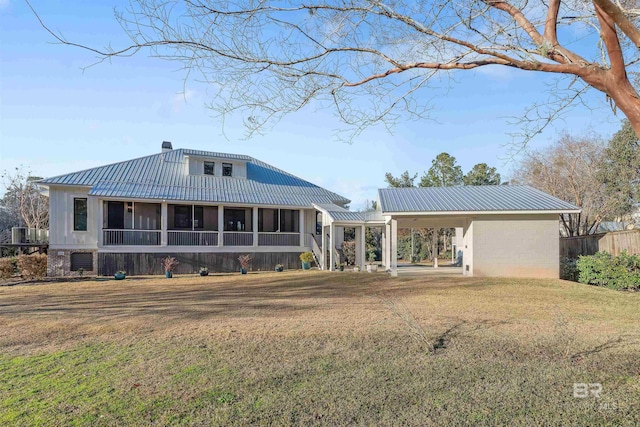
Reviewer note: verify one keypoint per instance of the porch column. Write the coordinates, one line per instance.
(394, 247)
(255, 226)
(332, 244)
(302, 237)
(360, 247)
(164, 220)
(323, 248)
(100, 222)
(387, 246)
(434, 249)
(220, 225)
(383, 244)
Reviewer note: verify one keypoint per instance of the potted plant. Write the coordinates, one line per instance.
(204, 271)
(306, 258)
(244, 263)
(356, 268)
(120, 275)
(341, 266)
(279, 268)
(371, 267)
(169, 263)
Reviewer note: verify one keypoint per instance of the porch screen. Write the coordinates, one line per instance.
(289, 221)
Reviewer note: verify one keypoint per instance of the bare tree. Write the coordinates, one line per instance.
(370, 60)
(571, 170)
(23, 198)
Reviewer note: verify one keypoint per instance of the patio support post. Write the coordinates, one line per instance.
(434, 250)
(164, 219)
(383, 244)
(302, 236)
(361, 247)
(220, 225)
(332, 249)
(254, 226)
(100, 222)
(387, 246)
(394, 247)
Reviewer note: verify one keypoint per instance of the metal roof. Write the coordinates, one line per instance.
(340, 214)
(165, 176)
(489, 198)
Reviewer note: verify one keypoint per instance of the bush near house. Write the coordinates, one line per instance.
(349, 252)
(569, 269)
(32, 266)
(7, 267)
(620, 272)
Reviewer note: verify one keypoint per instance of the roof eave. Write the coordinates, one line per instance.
(512, 212)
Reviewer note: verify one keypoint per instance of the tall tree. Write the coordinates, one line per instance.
(267, 58)
(444, 172)
(570, 169)
(404, 180)
(621, 165)
(23, 200)
(481, 174)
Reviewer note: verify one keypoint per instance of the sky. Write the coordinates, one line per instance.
(57, 116)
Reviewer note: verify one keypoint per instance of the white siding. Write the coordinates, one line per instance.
(515, 246)
(61, 233)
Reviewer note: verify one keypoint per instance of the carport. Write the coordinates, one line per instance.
(507, 230)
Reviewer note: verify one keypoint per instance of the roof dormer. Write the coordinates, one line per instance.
(218, 166)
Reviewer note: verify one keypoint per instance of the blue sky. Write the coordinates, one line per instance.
(56, 118)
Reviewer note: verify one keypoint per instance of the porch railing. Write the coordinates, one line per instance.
(192, 238)
(317, 252)
(131, 237)
(237, 238)
(278, 239)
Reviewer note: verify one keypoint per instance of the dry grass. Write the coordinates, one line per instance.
(314, 347)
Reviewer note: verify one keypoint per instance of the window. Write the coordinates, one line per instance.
(267, 220)
(234, 220)
(81, 260)
(318, 223)
(227, 169)
(209, 168)
(289, 221)
(80, 214)
(182, 217)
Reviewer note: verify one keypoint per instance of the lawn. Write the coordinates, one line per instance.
(318, 348)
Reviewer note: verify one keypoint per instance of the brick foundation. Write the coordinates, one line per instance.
(59, 262)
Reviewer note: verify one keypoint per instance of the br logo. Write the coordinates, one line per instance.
(584, 390)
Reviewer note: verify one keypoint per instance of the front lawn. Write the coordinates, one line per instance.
(318, 348)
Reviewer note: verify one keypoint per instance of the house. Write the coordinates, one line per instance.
(208, 208)
(204, 208)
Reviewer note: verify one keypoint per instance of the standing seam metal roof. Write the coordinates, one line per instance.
(490, 198)
(165, 176)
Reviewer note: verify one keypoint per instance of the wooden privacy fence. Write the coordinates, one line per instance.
(614, 242)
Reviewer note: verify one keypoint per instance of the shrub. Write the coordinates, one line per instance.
(32, 266)
(349, 252)
(244, 260)
(169, 263)
(569, 269)
(7, 267)
(306, 257)
(614, 272)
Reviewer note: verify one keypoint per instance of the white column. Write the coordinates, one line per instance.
(383, 243)
(323, 246)
(387, 246)
(221, 225)
(100, 224)
(332, 231)
(164, 220)
(302, 236)
(362, 247)
(435, 247)
(255, 226)
(394, 247)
